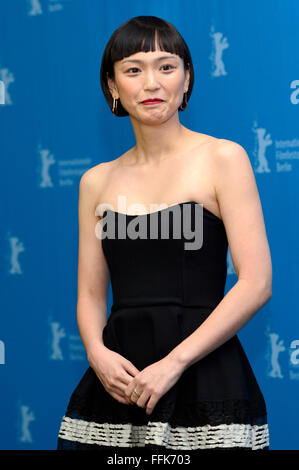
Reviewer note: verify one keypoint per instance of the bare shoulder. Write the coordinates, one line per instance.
(233, 171)
(200, 148)
(206, 144)
(92, 184)
(227, 157)
(228, 151)
(202, 140)
(92, 177)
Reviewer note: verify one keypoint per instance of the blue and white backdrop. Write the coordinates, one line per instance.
(55, 124)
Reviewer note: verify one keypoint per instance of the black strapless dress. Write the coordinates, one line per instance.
(162, 292)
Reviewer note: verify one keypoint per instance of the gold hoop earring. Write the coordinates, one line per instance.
(114, 107)
(184, 104)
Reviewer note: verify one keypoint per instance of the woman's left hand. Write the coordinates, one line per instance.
(153, 382)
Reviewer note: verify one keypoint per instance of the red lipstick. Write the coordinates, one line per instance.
(152, 101)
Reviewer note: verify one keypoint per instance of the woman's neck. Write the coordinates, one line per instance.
(154, 143)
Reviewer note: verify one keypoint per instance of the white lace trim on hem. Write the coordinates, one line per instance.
(162, 434)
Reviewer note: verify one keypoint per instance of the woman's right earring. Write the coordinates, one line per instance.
(114, 107)
(184, 104)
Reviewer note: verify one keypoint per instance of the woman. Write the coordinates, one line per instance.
(167, 370)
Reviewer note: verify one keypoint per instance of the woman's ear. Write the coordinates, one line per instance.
(112, 87)
(187, 79)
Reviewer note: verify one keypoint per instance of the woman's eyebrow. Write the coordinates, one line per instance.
(159, 58)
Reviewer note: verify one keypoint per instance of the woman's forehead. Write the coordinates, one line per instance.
(150, 56)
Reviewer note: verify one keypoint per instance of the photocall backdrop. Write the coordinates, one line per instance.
(56, 124)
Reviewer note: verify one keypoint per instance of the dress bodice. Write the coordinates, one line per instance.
(173, 256)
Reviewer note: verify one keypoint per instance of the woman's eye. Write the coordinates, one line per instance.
(133, 68)
(168, 65)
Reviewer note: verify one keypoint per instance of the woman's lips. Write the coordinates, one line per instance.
(152, 101)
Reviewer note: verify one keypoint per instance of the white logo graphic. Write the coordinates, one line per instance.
(285, 151)
(294, 98)
(72, 346)
(6, 78)
(46, 160)
(295, 354)
(26, 416)
(16, 248)
(219, 45)
(54, 5)
(2, 92)
(35, 8)
(276, 348)
(2, 353)
(57, 334)
(294, 359)
(262, 142)
(67, 170)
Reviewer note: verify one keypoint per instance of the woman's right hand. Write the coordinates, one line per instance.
(114, 371)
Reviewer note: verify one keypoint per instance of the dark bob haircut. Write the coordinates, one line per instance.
(138, 35)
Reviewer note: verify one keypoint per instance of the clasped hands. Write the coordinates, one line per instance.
(152, 383)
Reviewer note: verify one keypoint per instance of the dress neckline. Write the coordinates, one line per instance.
(166, 208)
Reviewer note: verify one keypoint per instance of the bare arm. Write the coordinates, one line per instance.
(241, 212)
(112, 369)
(93, 273)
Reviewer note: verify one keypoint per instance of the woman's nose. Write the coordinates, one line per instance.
(150, 80)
